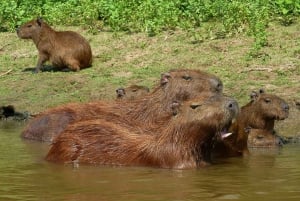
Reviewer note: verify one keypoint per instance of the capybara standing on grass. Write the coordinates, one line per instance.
(176, 85)
(181, 142)
(62, 48)
(260, 113)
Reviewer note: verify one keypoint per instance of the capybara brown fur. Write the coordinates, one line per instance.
(132, 92)
(260, 113)
(180, 144)
(178, 85)
(63, 48)
(261, 138)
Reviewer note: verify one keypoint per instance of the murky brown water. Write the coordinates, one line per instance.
(24, 175)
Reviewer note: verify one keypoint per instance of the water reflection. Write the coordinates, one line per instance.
(25, 175)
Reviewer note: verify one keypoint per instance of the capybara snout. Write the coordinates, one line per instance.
(64, 49)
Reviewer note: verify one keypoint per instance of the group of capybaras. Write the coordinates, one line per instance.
(184, 122)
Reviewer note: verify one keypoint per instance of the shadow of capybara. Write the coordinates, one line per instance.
(260, 113)
(131, 92)
(180, 144)
(62, 48)
(178, 85)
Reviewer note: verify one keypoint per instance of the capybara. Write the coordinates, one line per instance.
(180, 144)
(9, 112)
(260, 113)
(62, 48)
(131, 92)
(260, 138)
(176, 85)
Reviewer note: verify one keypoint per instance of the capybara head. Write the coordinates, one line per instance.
(187, 80)
(269, 106)
(189, 83)
(30, 29)
(263, 139)
(132, 92)
(215, 113)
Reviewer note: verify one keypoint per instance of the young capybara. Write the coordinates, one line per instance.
(260, 113)
(131, 92)
(180, 144)
(260, 138)
(62, 48)
(9, 112)
(176, 85)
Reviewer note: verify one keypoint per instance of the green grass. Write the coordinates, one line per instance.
(122, 59)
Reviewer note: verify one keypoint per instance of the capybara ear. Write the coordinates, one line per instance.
(254, 95)
(164, 78)
(175, 107)
(120, 92)
(39, 21)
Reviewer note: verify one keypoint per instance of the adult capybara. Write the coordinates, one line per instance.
(260, 138)
(131, 92)
(260, 113)
(181, 142)
(176, 85)
(62, 48)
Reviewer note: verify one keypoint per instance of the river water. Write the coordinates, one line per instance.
(268, 174)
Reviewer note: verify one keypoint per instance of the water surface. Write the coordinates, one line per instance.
(25, 175)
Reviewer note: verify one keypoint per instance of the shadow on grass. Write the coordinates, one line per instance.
(47, 68)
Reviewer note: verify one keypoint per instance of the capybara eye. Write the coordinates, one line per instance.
(187, 77)
(194, 106)
(29, 25)
(267, 100)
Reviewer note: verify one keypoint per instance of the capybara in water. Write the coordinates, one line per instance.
(131, 92)
(260, 113)
(176, 85)
(180, 144)
(9, 112)
(62, 48)
(260, 138)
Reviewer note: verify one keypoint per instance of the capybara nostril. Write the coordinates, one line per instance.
(232, 105)
(285, 107)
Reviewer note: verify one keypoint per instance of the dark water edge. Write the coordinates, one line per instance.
(268, 174)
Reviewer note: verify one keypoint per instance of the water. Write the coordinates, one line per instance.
(25, 175)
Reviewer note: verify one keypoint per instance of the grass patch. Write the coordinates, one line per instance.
(122, 59)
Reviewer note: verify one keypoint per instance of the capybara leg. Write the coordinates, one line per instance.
(42, 59)
(73, 65)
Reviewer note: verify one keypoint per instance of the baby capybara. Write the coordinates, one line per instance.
(131, 92)
(62, 48)
(260, 113)
(260, 138)
(177, 85)
(180, 144)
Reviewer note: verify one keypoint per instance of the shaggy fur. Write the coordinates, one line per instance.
(183, 140)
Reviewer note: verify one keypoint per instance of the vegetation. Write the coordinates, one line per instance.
(154, 16)
(185, 34)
